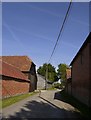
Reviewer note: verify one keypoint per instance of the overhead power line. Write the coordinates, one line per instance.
(57, 41)
(61, 30)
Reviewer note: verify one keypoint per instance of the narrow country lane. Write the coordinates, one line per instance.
(44, 106)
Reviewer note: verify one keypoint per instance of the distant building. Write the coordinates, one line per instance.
(14, 82)
(81, 73)
(26, 66)
(68, 81)
(68, 73)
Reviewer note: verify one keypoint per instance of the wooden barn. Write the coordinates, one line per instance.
(81, 73)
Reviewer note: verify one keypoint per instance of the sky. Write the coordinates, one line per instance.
(32, 28)
(44, 0)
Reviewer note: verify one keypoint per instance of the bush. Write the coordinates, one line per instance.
(57, 85)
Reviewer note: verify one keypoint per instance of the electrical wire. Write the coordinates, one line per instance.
(46, 76)
(60, 30)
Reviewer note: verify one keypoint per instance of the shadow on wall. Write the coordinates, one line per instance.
(33, 78)
(62, 96)
(42, 109)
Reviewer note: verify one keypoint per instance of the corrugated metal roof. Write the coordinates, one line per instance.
(23, 63)
(11, 71)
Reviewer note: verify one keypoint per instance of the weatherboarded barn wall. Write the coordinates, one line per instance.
(81, 73)
(68, 88)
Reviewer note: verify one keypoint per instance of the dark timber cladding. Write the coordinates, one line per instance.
(81, 73)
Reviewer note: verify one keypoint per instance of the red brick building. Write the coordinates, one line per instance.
(81, 73)
(68, 81)
(68, 73)
(26, 66)
(14, 82)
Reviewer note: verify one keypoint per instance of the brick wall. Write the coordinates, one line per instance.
(81, 76)
(12, 87)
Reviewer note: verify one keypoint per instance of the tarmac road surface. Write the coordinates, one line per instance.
(41, 105)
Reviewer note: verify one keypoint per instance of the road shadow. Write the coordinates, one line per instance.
(58, 96)
(41, 109)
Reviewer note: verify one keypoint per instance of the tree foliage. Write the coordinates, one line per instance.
(52, 75)
(61, 71)
(51, 72)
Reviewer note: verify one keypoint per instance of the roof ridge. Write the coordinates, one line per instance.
(23, 63)
(29, 59)
(14, 55)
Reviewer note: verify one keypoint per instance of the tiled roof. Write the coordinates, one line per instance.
(11, 71)
(68, 73)
(21, 62)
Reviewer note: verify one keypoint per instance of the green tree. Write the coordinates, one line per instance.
(42, 69)
(61, 72)
(51, 72)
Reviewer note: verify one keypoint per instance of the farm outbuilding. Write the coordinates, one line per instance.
(26, 66)
(14, 82)
(81, 73)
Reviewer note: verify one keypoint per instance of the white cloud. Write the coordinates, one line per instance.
(15, 38)
(42, 37)
(45, 10)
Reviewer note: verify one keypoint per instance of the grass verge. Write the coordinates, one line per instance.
(84, 110)
(11, 100)
(51, 88)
